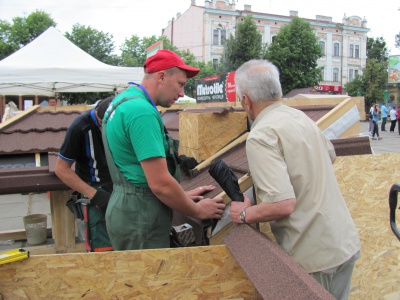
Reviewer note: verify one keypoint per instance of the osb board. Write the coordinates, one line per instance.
(180, 273)
(365, 182)
(203, 134)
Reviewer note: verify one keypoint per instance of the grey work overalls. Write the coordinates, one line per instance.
(136, 218)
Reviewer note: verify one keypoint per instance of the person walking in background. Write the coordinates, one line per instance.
(290, 161)
(384, 115)
(370, 115)
(375, 120)
(393, 118)
(142, 158)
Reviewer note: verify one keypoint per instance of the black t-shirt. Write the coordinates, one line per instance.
(83, 145)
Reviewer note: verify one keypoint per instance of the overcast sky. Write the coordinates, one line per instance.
(124, 18)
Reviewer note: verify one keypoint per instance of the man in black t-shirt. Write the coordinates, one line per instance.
(83, 145)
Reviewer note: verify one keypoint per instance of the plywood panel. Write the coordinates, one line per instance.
(181, 273)
(203, 134)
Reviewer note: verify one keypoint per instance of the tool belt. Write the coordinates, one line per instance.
(74, 204)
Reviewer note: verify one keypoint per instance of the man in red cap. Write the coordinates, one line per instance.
(142, 159)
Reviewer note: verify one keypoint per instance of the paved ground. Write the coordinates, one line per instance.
(14, 207)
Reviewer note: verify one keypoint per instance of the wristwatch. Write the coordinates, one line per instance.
(242, 215)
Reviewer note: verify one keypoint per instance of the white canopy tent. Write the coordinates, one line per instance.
(52, 64)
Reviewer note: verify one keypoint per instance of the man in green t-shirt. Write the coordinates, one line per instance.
(141, 157)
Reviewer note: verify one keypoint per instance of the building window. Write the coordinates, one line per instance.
(351, 50)
(355, 73)
(273, 38)
(215, 63)
(335, 74)
(322, 45)
(336, 49)
(219, 37)
(350, 75)
(357, 51)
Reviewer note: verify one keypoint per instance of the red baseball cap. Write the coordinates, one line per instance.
(166, 59)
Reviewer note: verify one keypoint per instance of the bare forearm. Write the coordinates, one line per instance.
(69, 177)
(265, 212)
(172, 195)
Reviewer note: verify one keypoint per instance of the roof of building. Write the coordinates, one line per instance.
(43, 132)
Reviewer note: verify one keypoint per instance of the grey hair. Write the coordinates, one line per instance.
(259, 80)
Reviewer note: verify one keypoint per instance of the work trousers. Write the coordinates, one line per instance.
(383, 125)
(392, 125)
(337, 280)
(375, 129)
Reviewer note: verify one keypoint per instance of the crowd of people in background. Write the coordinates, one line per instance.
(378, 114)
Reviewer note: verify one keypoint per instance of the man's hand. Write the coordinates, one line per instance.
(100, 199)
(237, 208)
(211, 208)
(196, 194)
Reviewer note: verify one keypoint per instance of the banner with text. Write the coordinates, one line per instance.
(217, 88)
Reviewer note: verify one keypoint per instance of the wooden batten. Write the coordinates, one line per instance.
(203, 134)
(64, 231)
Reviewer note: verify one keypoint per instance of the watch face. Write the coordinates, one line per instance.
(242, 216)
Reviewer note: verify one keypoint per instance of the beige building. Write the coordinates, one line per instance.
(204, 30)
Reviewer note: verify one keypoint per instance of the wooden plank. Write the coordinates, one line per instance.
(63, 221)
(179, 273)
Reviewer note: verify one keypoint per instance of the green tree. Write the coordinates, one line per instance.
(244, 46)
(375, 77)
(295, 51)
(98, 44)
(376, 49)
(133, 50)
(355, 86)
(22, 31)
(373, 81)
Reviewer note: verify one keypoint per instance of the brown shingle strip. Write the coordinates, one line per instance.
(43, 121)
(315, 112)
(352, 146)
(273, 272)
(31, 142)
(29, 180)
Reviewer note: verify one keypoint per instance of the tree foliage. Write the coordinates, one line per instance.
(98, 44)
(133, 50)
(295, 51)
(373, 81)
(22, 31)
(244, 46)
(376, 49)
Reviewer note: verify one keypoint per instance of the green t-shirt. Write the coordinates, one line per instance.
(135, 132)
